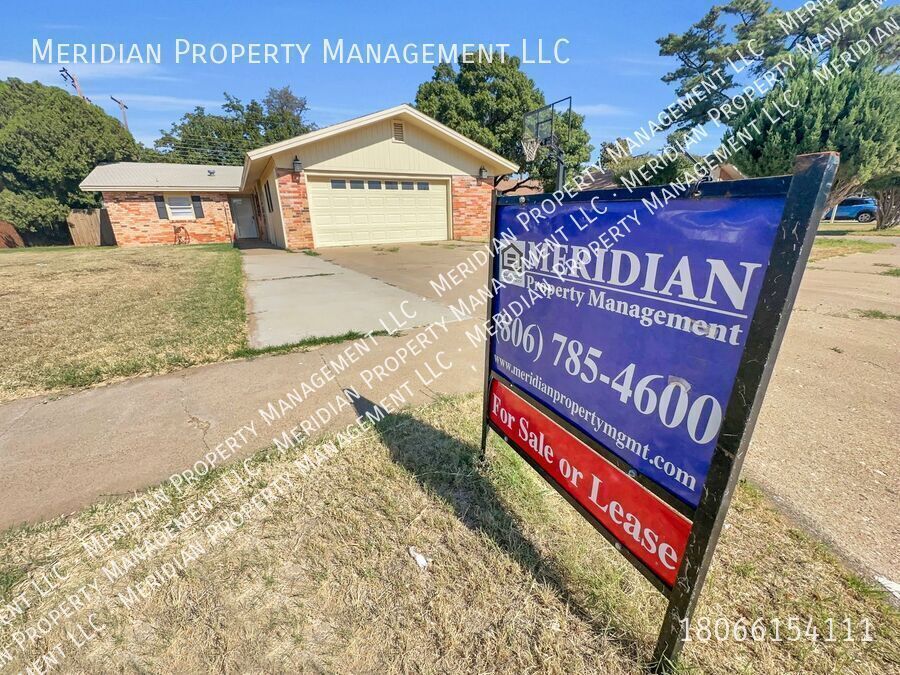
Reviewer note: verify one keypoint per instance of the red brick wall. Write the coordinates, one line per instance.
(135, 221)
(295, 208)
(471, 198)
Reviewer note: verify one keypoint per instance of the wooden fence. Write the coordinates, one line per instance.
(90, 227)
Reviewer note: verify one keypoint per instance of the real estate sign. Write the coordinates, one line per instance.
(632, 336)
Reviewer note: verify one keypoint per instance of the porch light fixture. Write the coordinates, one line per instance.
(482, 173)
(297, 164)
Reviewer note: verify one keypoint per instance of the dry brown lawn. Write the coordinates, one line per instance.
(322, 581)
(73, 317)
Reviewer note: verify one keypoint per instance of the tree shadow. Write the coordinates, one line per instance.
(448, 467)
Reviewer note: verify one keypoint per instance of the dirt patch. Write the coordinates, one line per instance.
(825, 444)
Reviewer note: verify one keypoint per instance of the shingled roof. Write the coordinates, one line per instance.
(160, 176)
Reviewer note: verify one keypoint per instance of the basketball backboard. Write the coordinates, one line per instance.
(548, 126)
(547, 123)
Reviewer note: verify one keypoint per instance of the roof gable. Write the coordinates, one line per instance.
(497, 165)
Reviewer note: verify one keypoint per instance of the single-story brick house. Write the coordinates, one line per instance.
(393, 176)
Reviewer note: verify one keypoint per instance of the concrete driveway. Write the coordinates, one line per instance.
(295, 296)
(412, 267)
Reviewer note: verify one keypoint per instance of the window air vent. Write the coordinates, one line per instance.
(398, 131)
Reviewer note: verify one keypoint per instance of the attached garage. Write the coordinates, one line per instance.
(377, 210)
(393, 176)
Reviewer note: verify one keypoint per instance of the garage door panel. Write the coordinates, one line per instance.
(342, 217)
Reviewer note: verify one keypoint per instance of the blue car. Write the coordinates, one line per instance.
(860, 209)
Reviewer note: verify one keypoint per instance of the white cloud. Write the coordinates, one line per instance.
(155, 102)
(643, 60)
(48, 73)
(599, 110)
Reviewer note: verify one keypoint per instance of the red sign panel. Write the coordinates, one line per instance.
(648, 527)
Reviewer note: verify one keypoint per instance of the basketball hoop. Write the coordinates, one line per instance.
(545, 126)
(530, 148)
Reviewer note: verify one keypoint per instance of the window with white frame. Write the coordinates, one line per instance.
(180, 207)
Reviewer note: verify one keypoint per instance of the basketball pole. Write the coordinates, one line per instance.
(560, 171)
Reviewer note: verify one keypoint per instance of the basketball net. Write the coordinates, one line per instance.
(530, 148)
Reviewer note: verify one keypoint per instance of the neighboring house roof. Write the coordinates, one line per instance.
(257, 159)
(160, 176)
(726, 172)
(507, 187)
(598, 180)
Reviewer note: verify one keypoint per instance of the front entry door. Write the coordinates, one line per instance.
(242, 210)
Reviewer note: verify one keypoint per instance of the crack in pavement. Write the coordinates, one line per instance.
(201, 424)
(20, 417)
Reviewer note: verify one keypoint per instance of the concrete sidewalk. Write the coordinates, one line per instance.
(61, 455)
(294, 296)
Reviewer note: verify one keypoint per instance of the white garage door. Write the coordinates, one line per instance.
(350, 211)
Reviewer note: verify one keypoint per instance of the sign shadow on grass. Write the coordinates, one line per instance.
(449, 467)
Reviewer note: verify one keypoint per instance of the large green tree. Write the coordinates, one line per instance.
(743, 39)
(856, 112)
(485, 100)
(200, 137)
(850, 107)
(49, 141)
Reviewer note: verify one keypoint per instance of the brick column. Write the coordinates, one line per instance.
(295, 208)
(471, 198)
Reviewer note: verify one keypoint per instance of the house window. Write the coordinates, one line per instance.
(390, 185)
(399, 132)
(180, 207)
(422, 186)
(374, 184)
(338, 185)
(268, 192)
(407, 185)
(357, 184)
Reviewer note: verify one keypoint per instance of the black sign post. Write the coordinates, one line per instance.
(803, 209)
(804, 204)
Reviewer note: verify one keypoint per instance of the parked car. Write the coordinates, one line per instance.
(860, 209)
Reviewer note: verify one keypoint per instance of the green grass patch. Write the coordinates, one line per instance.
(877, 314)
(893, 272)
(831, 248)
(251, 352)
(311, 252)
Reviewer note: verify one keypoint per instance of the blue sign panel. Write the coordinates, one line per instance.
(629, 321)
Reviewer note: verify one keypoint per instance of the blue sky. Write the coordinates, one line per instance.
(613, 74)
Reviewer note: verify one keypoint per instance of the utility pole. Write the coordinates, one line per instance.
(122, 108)
(73, 80)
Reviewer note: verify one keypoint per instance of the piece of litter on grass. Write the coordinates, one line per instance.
(420, 559)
